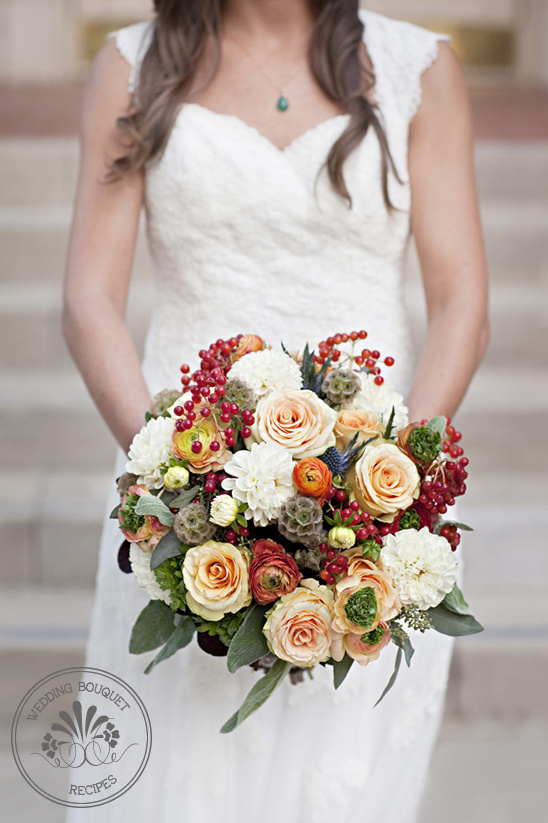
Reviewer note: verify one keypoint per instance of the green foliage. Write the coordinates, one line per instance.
(114, 513)
(424, 444)
(185, 497)
(415, 618)
(401, 639)
(455, 602)
(169, 546)
(150, 505)
(453, 624)
(249, 642)
(341, 669)
(437, 424)
(409, 520)
(390, 424)
(260, 692)
(180, 637)
(152, 628)
(361, 607)
(394, 676)
(224, 629)
(130, 519)
(169, 575)
(371, 549)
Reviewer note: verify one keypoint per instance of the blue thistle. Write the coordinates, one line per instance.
(339, 462)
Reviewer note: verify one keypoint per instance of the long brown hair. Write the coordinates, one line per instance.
(179, 39)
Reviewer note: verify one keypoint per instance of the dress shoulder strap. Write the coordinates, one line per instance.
(132, 42)
(400, 52)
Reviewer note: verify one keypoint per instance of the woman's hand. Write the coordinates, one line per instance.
(100, 257)
(447, 228)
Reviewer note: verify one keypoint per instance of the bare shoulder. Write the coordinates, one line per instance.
(443, 83)
(107, 96)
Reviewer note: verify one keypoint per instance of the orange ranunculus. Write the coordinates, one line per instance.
(206, 460)
(272, 572)
(247, 344)
(312, 478)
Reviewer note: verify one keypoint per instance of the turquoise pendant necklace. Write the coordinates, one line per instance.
(282, 103)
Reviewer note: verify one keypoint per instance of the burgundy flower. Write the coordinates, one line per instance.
(272, 572)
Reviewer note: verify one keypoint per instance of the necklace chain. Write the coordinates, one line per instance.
(282, 103)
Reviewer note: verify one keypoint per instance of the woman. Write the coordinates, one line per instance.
(230, 111)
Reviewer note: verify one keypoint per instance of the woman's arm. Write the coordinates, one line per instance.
(100, 257)
(447, 228)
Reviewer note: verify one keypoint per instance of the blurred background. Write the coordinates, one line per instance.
(57, 455)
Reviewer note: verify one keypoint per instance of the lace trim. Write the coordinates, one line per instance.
(132, 43)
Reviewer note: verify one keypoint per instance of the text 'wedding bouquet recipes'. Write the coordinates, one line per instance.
(286, 510)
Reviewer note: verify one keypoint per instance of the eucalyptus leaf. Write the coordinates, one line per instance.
(404, 643)
(178, 639)
(392, 680)
(152, 506)
(437, 424)
(168, 546)
(341, 669)
(258, 695)
(185, 498)
(114, 513)
(455, 602)
(152, 628)
(443, 523)
(452, 624)
(249, 642)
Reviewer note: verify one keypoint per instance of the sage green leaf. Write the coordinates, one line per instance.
(455, 625)
(178, 639)
(390, 424)
(150, 505)
(152, 628)
(185, 498)
(392, 680)
(341, 669)
(442, 523)
(249, 642)
(455, 602)
(168, 546)
(404, 643)
(437, 424)
(258, 695)
(114, 513)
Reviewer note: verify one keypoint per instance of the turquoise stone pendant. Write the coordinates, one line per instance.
(283, 103)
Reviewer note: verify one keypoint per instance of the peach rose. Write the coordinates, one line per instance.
(365, 648)
(247, 344)
(145, 530)
(385, 481)
(312, 478)
(217, 580)
(298, 628)
(366, 570)
(351, 421)
(357, 605)
(207, 460)
(297, 420)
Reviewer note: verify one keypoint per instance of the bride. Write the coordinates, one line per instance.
(283, 150)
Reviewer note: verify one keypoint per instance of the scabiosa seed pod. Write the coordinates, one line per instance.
(240, 393)
(301, 520)
(162, 401)
(341, 386)
(125, 482)
(192, 525)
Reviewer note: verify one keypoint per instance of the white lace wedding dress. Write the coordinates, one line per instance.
(240, 242)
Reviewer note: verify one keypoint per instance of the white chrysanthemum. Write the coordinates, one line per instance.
(262, 478)
(422, 566)
(380, 400)
(267, 370)
(150, 448)
(145, 577)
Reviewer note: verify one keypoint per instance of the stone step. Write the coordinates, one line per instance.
(44, 170)
(34, 241)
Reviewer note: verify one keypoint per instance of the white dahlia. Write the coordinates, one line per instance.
(265, 370)
(380, 399)
(150, 448)
(262, 478)
(145, 577)
(422, 566)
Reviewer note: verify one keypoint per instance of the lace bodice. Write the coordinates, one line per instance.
(243, 240)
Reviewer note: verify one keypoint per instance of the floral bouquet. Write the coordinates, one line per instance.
(285, 509)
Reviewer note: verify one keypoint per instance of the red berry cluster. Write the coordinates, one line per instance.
(232, 536)
(447, 483)
(213, 480)
(368, 358)
(363, 526)
(451, 535)
(215, 360)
